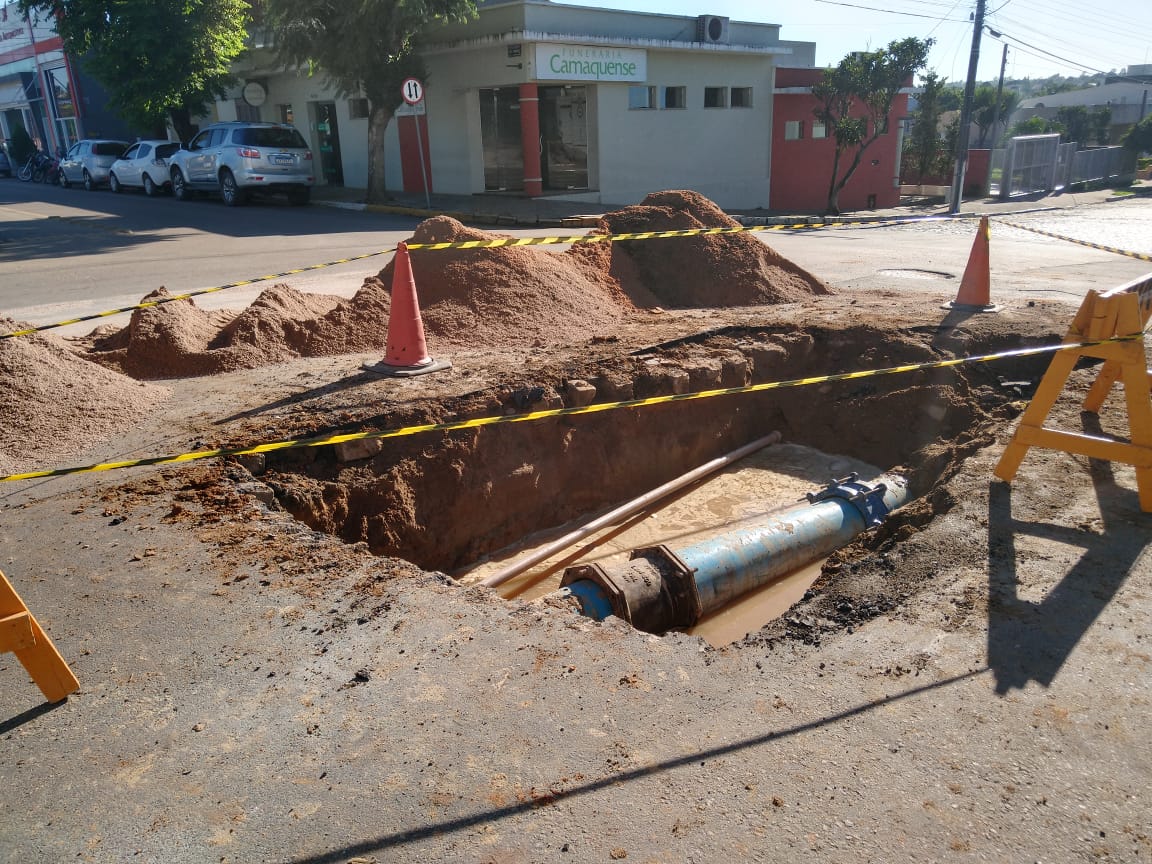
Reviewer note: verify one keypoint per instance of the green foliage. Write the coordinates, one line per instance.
(1076, 123)
(367, 48)
(924, 148)
(157, 59)
(1031, 126)
(1101, 124)
(20, 146)
(986, 113)
(856, 96)
(951, 98)
(1138, 138)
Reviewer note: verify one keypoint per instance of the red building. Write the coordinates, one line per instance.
(802, 152)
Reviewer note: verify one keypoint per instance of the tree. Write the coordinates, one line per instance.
(1076, 124)
(1101, 124)
(1138, 138)
(364, 48)
(1031, 126)
(855, 98)
(985, 111)
(924, 143)
(159, 60)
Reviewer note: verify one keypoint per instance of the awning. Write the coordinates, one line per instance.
(12, 95)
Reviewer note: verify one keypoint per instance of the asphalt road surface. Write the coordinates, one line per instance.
(67, 252)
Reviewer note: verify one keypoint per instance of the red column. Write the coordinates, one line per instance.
(530, 139)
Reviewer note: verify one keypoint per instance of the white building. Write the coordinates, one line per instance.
(536, 98)
(1129, 99)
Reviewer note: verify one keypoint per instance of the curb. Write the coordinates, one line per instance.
(592, 220)
(469, 218)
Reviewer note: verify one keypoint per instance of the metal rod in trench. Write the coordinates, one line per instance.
(627, 509)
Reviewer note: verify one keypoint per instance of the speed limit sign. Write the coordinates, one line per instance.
(412, 91)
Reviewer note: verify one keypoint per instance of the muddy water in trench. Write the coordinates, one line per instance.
(775, 478)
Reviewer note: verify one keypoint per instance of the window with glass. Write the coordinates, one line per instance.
(741, 97)
(641, 98)
(793, 130)
(675, 97)
(819, 130)
(715, 97)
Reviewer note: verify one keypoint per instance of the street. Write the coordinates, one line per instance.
(67, 252)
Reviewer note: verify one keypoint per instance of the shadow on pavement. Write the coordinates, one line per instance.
(399, 838)
(1030, 641)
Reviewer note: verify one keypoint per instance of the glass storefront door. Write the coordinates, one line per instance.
(328, 139)
(564, 137)
(500, 134)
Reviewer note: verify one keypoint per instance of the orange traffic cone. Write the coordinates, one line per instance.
(973, 295)
(407, 353)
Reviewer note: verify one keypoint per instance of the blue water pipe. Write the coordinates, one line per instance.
(661, 589)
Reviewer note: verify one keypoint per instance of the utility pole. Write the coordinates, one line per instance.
(999, 89)
(966, 112)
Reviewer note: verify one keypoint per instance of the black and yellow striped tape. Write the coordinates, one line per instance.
(471, 244)
(498, 242)
(555, 412)
(160, 302)
(1138, 255)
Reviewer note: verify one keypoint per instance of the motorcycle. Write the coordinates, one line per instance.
(51, 170)
(25, 172)
(36, 167)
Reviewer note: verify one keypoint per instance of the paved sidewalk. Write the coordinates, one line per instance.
(554, 212)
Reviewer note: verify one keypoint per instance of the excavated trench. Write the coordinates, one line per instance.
(446, 500)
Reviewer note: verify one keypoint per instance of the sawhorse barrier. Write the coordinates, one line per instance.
(21, 634)
(1117, 314)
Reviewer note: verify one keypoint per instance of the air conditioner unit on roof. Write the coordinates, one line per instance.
(712, 29)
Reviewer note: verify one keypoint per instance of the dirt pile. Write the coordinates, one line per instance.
(705, 271)
(177, 339)
(503, 296)
(508, 295)
(56, 404)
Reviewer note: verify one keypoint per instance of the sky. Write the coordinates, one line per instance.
(1044, 37)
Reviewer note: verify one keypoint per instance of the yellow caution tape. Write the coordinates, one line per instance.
(554, 412)
(498, 242)
(470, 244)
(1138, 255)
(161, 301)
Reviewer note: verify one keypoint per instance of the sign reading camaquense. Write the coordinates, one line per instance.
(590, 63)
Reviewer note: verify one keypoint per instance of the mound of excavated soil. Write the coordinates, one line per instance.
(56, 404)
(508, 295)
(177, 339)
(716, 270)
(503, 296)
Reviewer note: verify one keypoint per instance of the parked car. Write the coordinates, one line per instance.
(88, 162)
(238, 159)
(5, 162)
(145, 165)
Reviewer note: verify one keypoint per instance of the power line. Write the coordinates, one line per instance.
(1071, 62)
(889, 11)
(1075, 46)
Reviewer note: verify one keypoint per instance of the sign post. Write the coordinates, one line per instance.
(413, 92)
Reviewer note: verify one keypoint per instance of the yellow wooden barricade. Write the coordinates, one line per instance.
(21, 634)
(1121, 312)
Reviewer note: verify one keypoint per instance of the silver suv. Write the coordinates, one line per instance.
(238, 159)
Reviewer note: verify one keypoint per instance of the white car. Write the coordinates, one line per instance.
(145, 165)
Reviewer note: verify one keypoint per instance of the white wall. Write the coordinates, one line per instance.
(723, 153)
